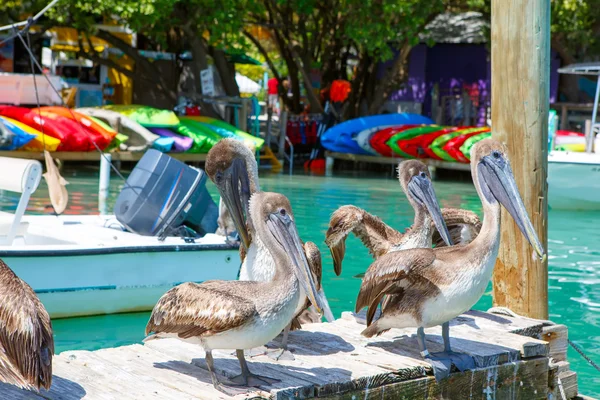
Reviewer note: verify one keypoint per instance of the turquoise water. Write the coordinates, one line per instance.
(574, 254)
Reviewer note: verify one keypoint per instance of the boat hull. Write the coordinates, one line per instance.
(81, 283)
(574, 181)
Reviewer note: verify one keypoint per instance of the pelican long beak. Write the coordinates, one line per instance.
(421, 188)
(498, 177)
(284, 230)
(236, 195)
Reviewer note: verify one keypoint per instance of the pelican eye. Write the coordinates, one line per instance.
(496, 154)
(423, 174)
(282, 212)
(218, 177)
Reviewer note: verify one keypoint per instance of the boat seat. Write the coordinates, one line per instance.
(24, 178)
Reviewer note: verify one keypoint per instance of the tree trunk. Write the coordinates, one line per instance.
(313, 100)
(357, 88)
(199, 59)
(226, 72)
(392, 78)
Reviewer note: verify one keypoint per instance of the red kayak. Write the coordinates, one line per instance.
(453, 145)
(419, 147)
(101, 136)
(73, 136)
(378, 140)
(14, 112)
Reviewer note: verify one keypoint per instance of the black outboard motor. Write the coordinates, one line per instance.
(162, 194)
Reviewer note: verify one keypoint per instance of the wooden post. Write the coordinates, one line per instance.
(520, 97)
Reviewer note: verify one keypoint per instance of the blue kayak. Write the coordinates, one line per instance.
(13, 137)
(342, 138)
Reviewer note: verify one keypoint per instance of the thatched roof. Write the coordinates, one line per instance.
(469, 27)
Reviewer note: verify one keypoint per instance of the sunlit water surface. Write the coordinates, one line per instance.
(574, 249)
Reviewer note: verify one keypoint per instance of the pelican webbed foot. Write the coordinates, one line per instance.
(224, 386)
(247, 378)
(280, 355)
(252, 380)
(256, 352)
(442, 362)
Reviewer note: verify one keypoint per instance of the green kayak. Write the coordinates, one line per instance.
(148, 117)
(437, 146)
(407, 135)
(226, 130)
(466, 147)
(204, 138)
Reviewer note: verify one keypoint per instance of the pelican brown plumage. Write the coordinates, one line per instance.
(451, 226)
(26, 342)
(242, 314)
(233, 169)
(428, 287)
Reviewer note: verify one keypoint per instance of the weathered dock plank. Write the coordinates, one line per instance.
(332, 361)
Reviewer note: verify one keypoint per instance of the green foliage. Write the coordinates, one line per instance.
(576, 23)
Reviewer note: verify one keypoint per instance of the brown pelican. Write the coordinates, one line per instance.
(428, 287)
(26, 342)
(233, 169)
(381, 239)
(242, 314)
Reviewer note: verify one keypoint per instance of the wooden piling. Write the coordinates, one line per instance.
(520, 95)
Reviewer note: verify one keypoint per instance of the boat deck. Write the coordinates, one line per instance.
(333, 361)
(88, 232)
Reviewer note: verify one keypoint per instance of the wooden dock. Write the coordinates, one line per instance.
(332, 156)
(95, 156)
(516, 358)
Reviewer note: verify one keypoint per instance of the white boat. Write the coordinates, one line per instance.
(89, 265)
(573, 180)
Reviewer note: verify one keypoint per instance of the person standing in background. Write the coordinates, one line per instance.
(272, 95)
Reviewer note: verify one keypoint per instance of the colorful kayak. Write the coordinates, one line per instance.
(12, 136)
(379, 140)
(181, 143)
(37, 143)
(418, 146)
(163, 144)
(569, 141)
(341, 137)
(437, 146)
(148, 117)
(72, 135)
(454, 144)
(408, 134)
(204, 137)
(14, 112)
(102, 136)
(363, 138)
(466, 147)
(226, 130)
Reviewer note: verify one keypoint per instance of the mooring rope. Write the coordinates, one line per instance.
(511, 313)
(582, 354)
